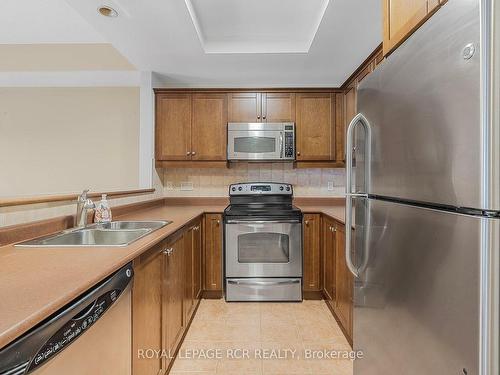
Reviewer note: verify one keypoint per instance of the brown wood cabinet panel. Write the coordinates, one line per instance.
(312, 252)
(208, 134)
(350, 104)
(328, 249)
(197, 260)
(147, 311)
(245, 107)
(403, 17)
(315, 117)
(173, 126)
(340, 128)
(173, 320)
(213, 252)
(343, 283)
(278, 107)
(192, 266)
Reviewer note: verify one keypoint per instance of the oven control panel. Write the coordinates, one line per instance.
(260, 188)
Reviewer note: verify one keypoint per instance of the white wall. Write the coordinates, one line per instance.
(60, 140)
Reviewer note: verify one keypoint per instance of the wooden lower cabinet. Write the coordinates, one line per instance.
(192, 269)
(147, 297)
(344, 284)
(312, 253)
(165, 294)
(328, 250)
(338, 282)
(212, 258)
(173, 295)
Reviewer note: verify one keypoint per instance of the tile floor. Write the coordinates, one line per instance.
(262, 339)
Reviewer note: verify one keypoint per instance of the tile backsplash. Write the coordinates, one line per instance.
(208, 182)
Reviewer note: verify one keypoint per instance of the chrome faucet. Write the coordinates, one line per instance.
(83, 204)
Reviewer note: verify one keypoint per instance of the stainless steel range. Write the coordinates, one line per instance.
(263, 243)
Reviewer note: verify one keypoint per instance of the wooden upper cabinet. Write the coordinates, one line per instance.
(278, 107)
(262, 107)
(245, 107)
(403, 17)
(208, 131)
(315, 129)
(312, 251)
(173, 126)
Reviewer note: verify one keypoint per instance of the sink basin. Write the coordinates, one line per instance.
(118, 233)
(130, 225)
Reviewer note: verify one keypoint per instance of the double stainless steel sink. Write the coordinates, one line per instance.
(116, 233)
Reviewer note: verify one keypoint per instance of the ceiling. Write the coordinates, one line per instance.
(44, 21)
(213, 43)
(256, 26)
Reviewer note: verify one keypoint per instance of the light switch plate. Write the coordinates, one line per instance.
(186, 186)
(330, 185)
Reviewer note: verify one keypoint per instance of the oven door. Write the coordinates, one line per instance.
(255, 145)
(263, 248)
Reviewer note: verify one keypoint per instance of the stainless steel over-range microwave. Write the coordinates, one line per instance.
(261, 141)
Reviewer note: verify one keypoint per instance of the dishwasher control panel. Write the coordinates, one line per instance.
(74, 328)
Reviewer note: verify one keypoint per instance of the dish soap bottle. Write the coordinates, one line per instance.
(102, 211)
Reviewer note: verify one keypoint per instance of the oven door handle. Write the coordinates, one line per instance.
(263, 283)
(250, 222)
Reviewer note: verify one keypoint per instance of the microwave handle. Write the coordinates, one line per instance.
(281, 145)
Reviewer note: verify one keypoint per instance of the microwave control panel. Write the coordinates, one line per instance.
(289, 144)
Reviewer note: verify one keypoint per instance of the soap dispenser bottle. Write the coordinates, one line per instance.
(103, 211)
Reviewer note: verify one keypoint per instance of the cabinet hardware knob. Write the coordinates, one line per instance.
(218, 222)
(258, 117)
(306, 222)
(263, 117)
(168, 251)
(193, 153)
(188, 153)
(298, 153)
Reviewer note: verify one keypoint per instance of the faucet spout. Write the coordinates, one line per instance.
(83, 204)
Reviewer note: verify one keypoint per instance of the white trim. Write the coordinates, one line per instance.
(146, 131)
(90, 78)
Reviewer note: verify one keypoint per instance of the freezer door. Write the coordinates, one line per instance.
(416, 300)
(423, 106)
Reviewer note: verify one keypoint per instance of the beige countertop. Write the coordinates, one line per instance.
(36, 282)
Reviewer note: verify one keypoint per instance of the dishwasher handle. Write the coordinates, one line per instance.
(61, 329)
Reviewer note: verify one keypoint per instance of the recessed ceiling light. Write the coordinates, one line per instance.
(107, 11)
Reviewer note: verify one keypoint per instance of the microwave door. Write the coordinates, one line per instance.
(255, 145)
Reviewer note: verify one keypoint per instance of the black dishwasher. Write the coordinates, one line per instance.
(61, 329)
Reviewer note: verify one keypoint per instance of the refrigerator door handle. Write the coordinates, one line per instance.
(359, 119)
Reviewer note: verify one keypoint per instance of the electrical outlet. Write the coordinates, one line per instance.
(186, 186)
(330, 185)
(170, 185)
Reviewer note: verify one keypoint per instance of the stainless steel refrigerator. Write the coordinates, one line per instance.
(423, 179)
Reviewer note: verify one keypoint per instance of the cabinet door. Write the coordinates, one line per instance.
(343, 282)
(197, 270)
(208, 137)
(188, 302)
(402, 17)
(312, 251)
(245, 107)
(278, 107)
(173, 127)
(147, 311)
(328, 234)
(173, 295)
(213, 252)
(340, 127)
(315, 126)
